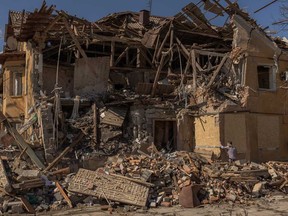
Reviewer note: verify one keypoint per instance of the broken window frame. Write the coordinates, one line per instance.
(16, 74)
(272, 77)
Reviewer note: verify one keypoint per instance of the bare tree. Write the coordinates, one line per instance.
(283, 21)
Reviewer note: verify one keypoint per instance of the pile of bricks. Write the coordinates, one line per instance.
(183, 176)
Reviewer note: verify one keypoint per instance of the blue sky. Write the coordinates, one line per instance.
(95, 9)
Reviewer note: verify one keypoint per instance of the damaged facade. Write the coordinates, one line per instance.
(178, 82)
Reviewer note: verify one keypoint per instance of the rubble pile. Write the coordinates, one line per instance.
(112, 139)
(214, 181)
(133, 175)
(151, 178)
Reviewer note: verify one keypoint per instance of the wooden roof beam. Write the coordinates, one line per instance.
(74, 38)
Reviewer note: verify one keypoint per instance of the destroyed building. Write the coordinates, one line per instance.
(178, 82)
(143, 92)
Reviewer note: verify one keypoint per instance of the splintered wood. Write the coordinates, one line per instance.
(4, 181)
(114, 116)
(100, 184)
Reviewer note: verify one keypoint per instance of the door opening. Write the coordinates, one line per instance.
(165, 135)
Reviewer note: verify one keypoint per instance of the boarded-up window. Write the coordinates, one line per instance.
(16, 87)
(265, 77)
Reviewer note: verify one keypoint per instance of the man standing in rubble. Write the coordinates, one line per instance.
(231, 151)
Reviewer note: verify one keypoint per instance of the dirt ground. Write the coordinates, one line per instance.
(276, 205)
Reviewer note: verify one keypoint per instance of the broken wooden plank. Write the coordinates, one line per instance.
(109, 187)
(74, 38)
(146, 57)
(171, 47)
(28, 123)
(164, 41)
(217, 71)
(156, 48)
(21, 142)
(247, 173)
(193, 59)
(213, 8)
(120, 56)
(95, 122)
(4, 180)
(187, 54)
(209, 53)
(29, 184)
(22, 153)
(49, 27)
(157, 75)
(62, 171)
(66, 150)
(27, 205)
(192, 11)
(112, 54)
(63, 193)
(114, 116)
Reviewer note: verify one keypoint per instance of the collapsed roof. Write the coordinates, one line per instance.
(201, 59)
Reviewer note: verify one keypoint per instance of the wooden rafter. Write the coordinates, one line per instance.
(74, 38)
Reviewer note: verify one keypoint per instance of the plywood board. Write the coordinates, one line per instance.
(99, 184)
(114, 116)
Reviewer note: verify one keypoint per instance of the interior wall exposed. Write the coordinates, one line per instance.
(91, 75)
(65, 79)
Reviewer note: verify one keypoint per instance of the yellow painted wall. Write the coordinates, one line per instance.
(13, 106)
(207, 133)
(266, 101)
(235, 131)
(267, 137)
(29, 92)
(266, 130)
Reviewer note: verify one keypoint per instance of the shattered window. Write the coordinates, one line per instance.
(17, 84)
(265, 77)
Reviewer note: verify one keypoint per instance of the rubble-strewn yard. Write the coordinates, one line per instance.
(275, 205)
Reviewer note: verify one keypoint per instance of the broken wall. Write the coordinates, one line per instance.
(33, 80)
(144, 125)
(143, 117)
(65, 79)
(91, 75)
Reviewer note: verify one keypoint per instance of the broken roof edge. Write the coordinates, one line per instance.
(239, 21)
(132, 13)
